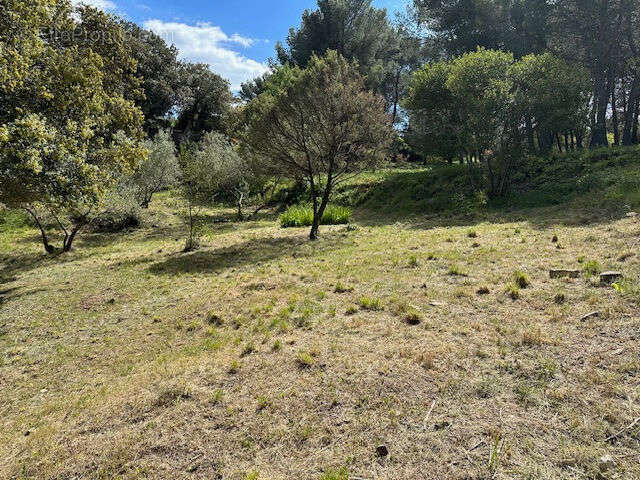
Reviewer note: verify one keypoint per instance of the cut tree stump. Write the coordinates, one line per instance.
(608, 278)
(564, 273)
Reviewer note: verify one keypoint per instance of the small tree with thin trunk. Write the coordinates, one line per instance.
(319, 124)
(159, 171)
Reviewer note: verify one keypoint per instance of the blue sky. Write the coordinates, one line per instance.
(235, 41)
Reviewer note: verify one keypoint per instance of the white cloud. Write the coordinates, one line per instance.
(206, 43)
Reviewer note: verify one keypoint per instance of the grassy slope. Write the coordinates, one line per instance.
(110, 367)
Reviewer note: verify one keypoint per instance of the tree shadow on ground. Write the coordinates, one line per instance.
(251, 252)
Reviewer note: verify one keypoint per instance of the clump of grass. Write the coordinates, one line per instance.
(413, 317)
(592, 267)
(302, 216)
(521, 279)
(340, 474)
(234, 367)
(217, 397)
(305, 359)
(248, 349)
(413, 261)
(484, 290)
(532, 338)
(455, 270)
(351, 310)
(560, 298)
(371, 304)
(472, 234)
(426, 360)
(341, 288)
(513, 291)
(263, 402)
(214, 319)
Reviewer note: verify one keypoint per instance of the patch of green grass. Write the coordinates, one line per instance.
(305, 359)
(302, 216)
(340, 474)
(513, 291)
(371, 304)
(592, 267)
(455, 270)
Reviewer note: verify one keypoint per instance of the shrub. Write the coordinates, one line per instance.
(121, 210)
(592, 267)
(513, 291)
(302, 216)
(521, 279)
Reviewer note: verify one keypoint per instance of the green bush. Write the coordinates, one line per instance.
(302, 216)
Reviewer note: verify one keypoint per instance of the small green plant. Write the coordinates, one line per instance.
(234, 367)
(413, 262)
(252, 475)
(217, 397)
(521, 279)
(302, 216)
(513, 291)
(413, 316)
(351, 310)
(472, 234)
(277, 346)
(371, 304)
(304, 359)
(496, 451)
(341, 474)
(340, 288)
(455, 270)
(263, 402)
(592, 267)
(248, 349)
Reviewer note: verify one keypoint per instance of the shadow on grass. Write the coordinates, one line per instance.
(251, 252)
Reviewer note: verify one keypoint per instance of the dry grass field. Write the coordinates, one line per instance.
(397, 348)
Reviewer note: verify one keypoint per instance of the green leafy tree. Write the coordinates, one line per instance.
(434, 126)
(159, 171)
(554, 99)
(320, 125)
(158, 66)
(67, 131)
(204, 102)
(212, 171)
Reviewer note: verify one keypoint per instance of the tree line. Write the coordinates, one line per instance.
(95, 109)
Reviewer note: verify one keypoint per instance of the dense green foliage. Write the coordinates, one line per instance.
(69, 126)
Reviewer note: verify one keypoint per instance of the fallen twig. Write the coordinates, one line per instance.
(616, 435)
(426, 418)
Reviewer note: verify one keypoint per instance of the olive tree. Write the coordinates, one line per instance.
(320, 125)
(211, 170)
(159, 171)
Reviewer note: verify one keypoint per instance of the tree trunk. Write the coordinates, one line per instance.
(614, 115)
(531, 142)
(318, 211)
(601, 101)
(634, 130)
(45, 240)
(630, 114)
